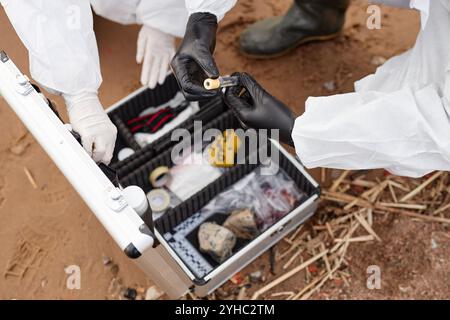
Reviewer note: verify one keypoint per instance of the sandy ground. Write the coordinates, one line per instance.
(47, 229)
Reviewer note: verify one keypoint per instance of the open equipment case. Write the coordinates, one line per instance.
(140, 236)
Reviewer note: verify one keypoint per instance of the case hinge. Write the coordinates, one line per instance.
(115, 200)
(23, 85)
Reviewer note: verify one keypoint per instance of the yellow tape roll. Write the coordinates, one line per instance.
(159, 177)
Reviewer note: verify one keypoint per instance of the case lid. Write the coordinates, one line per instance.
(106, 201)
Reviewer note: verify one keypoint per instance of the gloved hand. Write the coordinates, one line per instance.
(257, 109)
(194, 62)
(89, 120)
(155, 49)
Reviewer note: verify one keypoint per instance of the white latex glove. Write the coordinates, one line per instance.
(90, 121)
(155, 50)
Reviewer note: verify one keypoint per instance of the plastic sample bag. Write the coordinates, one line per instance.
(269, 197)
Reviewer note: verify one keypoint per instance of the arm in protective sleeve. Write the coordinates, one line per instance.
(61, 42)
(405, 132)
(217, 7)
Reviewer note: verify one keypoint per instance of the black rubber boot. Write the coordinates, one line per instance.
(306, 21)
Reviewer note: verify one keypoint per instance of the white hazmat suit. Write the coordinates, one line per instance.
(61, 41)
(398, 118)
(64, 57)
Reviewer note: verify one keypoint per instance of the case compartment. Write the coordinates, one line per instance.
(175, 216)
(134, 104)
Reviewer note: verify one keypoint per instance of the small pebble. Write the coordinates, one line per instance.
(106, 260)
(256, 276)
(19, 149)
(378, 61)
(330, 85)
(153, 293)
(404, 289)
(434, 244)
(130, 293)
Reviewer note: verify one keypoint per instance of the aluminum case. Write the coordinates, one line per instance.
(145, 245)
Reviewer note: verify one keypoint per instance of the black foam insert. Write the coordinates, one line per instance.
(135, 170)
(175, 216)
(140, 175)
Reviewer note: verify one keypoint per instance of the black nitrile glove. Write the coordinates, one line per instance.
(193, 63)
(257, 109)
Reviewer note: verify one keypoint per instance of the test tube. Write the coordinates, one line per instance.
(221, 82)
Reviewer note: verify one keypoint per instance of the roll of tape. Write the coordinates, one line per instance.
(211, 84)
(159, 177)
(159, 200)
